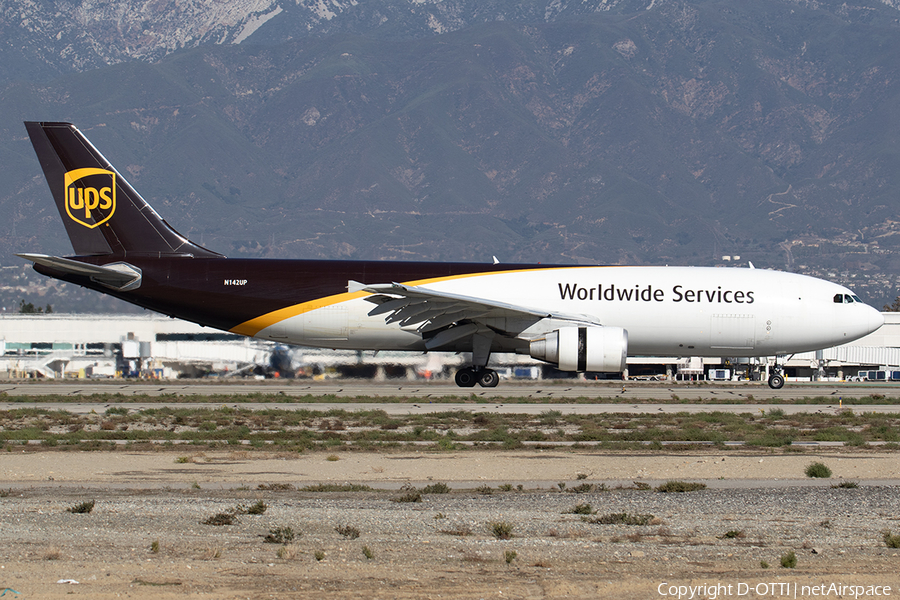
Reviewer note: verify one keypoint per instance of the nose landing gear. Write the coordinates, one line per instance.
(776, 378)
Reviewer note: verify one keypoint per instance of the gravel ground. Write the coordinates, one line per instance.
(416, 548)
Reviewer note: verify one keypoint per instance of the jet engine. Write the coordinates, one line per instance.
(600, 349)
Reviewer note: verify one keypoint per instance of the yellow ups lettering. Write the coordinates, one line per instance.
(90, 196)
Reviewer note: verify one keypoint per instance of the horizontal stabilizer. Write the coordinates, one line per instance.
(119, 275)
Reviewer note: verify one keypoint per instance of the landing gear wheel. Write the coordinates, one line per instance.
(488, 378)
(466, 377)
(776, 381)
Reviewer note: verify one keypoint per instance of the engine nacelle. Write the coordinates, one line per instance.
(600, 349)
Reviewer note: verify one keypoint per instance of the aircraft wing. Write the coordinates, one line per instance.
(429, 310)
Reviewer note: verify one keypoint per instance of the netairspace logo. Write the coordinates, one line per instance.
(714, 591)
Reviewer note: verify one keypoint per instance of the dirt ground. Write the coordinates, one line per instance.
(758, 507)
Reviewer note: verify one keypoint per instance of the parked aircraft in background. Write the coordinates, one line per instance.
(579, 318)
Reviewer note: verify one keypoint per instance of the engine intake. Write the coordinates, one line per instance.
(600, 349)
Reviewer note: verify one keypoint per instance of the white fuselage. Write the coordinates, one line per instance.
(666, 311)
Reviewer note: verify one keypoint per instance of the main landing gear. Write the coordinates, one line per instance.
(484, 377)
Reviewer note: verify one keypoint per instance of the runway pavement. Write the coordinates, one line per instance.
(444, 391)
(404, 398)
(407, 408)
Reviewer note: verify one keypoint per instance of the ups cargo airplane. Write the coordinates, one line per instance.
(578, 318)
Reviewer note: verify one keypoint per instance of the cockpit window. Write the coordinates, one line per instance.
(838, 298)
(856, 298)
(845, 299)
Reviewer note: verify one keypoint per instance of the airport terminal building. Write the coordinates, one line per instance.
(151, 345)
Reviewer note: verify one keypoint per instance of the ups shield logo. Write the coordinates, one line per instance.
(90, 196)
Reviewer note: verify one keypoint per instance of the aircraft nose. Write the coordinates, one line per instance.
(876, 320)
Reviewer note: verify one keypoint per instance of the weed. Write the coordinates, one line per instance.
(561, 485)
(584, 488)
(367, 552)
(153, 583)
(183, 459)
(212, 554)
(279, 535)
(582, 509)
(485, 490)
(849, 485)
(410, 494)
(258, 508)
(52, 554)
(436, 488)
(520, 487)
(276, 487)
(622, 519)
(333, 457)
(509, 556)
(81, 508)
(817, 469)
(502, 530)
(763, 564)
(319, 555)
(286, 552)
(439, 516)
(826, 524)
(460, 531)
(581, 476)
(640, 485)
(506, 487)
(732, 534)
(348, 531)
(673, 486)
(195, 486)
(154, 547)
(890, 540)
(219, 519)
(335, 487)
(789, 560)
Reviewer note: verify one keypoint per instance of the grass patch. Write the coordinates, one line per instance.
(581, 509)
(678, 487)
(220, 519)
(890, 540)
(279, 535)
(337, 487)
(502, 530)
(82, 508)
(436, 488)
(789, 560)
(276, 487)
(410, 494)
(287, 552)
(509, 556)
(459, 530)
(348, 531)
(367, 552)
(622, 519)
(817, 469)
(846, 485)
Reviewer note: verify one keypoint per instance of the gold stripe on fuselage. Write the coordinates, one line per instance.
(257, 324)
